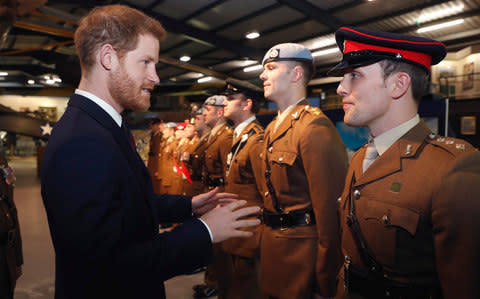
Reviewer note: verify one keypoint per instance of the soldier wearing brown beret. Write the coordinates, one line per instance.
(305, 164)
(409, 210)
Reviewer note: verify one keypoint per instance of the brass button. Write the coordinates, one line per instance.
(385, 219)
(357, 194)
(267, 194)
(339, 199)
(280, 159)
(270, 149)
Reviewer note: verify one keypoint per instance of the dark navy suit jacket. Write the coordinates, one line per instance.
(104, 216)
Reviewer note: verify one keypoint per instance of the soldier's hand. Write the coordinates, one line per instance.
(224, 221)
(204, 202)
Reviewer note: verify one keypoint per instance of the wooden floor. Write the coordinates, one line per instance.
(37, 281)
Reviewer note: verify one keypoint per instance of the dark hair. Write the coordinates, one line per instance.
(118, 25)
(419, 77)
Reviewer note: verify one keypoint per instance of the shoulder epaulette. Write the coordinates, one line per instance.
(452, 145)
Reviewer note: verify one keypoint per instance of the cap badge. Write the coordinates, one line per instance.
(274, 53)
(399, 56)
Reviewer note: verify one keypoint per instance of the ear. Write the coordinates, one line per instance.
(108, 56)
(248, 104)
(400, 84)
(297, 73)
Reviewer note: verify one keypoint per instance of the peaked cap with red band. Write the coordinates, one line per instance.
(362, 47)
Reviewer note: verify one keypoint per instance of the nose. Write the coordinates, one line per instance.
(263, 76)
(153, 76)
(342, 89)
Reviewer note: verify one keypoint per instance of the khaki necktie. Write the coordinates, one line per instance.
(371, 155)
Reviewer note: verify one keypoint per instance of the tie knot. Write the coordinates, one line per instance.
(371, 152)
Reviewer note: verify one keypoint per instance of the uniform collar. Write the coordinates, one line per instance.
(243, 125)
(385, 140)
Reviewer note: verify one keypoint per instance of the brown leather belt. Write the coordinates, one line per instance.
(288, 220)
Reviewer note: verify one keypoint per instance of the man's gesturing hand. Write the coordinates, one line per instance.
(224, 221)
(204, 202)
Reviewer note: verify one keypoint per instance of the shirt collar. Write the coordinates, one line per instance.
(242, 125)
(385, 140)
(104, 105)
(283, 115)
(216, 128)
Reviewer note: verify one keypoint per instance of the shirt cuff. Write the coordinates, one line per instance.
(208, 228)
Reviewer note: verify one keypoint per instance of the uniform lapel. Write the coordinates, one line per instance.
(287, 122)
(391, 161)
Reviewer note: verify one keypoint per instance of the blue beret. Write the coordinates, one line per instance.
(362, 47)
(216, 100)
(288, 51)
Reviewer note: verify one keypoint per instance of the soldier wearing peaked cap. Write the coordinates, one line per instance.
(409, 209)
(241, 275)
(304, 167)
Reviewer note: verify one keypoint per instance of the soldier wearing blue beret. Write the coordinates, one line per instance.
(409, 209)
(305, 163)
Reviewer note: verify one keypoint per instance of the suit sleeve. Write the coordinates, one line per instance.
(456, 228)
(325, 163)
(84, 188)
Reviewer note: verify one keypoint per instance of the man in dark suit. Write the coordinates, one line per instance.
(101, 208)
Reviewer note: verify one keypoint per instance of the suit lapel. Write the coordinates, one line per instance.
(98, 114)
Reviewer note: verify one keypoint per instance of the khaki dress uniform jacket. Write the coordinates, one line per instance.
(308, 163)
(195, 166)
(153, 159)
(167, 172)
(243, 170)
(188, 149)
(418, 208)
(11, 257)
(216, 153)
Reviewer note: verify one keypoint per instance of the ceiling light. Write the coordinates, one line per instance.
(324, 43)
(185, 58)
(325, 52)
(451, 10)
(252, 35)
(204, 79)
(31, 81)
(440, 26)
(3, 74)
(253, 68)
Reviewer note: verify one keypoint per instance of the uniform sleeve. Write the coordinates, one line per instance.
(456, 228)
(325, 162)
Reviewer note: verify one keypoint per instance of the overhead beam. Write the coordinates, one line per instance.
(52, 45)
(201, 35)
(43, 29)
(313, 12)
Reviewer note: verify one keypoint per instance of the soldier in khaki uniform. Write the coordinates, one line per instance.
(410, 209)
(195, 157)
(190, 144)
(305, 164)
(166, 169)
(217, 148)
(11, 258)
(154, 152)
(243, 170)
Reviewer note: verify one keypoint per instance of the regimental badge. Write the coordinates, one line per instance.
(274, 53)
